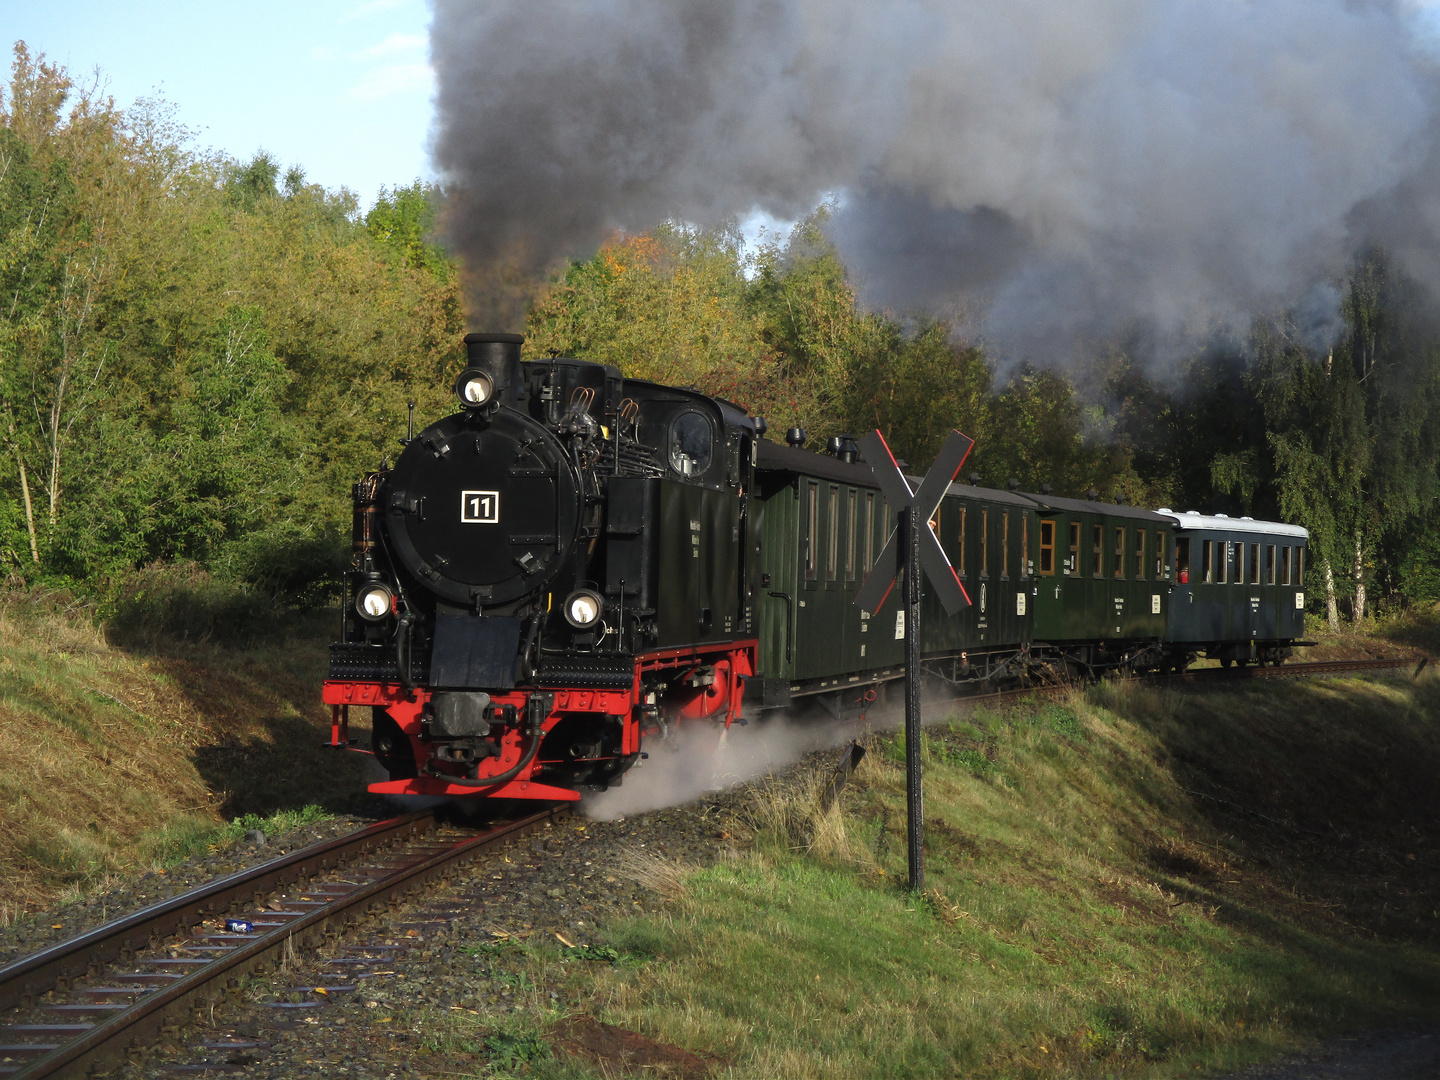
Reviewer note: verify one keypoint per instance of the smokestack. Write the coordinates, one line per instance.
(499, 356)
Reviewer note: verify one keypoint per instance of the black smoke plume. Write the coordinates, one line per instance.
(1063, 166)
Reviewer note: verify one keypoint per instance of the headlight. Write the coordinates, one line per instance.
(475, 388)
(582, 609)
(374, 602)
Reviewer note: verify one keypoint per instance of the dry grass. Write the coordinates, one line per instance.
(108, 748)
(667, 877)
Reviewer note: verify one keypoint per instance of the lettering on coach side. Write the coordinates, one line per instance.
(480, 507)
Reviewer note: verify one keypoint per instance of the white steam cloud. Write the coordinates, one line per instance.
(695, 761)
(1063, 166)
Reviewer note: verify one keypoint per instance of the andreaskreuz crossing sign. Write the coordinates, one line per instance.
(914, 508)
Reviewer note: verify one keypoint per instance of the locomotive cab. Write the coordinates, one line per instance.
(544, 575)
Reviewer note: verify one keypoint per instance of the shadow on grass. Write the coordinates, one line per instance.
(1325, 796)
(261, 707)
(284, 767)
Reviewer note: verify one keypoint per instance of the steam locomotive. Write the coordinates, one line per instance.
(576, 562)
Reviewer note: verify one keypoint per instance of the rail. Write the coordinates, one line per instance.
(394, 858)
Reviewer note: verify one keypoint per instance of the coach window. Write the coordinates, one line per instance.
(812, 528)
(1047, 548)
(1269, 564)
(1299, 566)
(1005, 544)
(1182, 560)
(1160, 554)
(1207, 566)
(984, 543)
(1222, 561)
(832, 538)
(870, 532)
(1119, 552)
(962, 541)
(1284, 565)
(1254, 564)
(1097, 557)
(1025, 568)
(850, 520)
(1139, 554)
(1072, 565)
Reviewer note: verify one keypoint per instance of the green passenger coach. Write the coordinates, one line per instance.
(822, 523)
(1239, 589)
(1102, 583)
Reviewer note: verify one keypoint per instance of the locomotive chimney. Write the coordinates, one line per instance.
(499, 356)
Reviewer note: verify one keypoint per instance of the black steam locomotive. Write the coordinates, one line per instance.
(561, 566)
(575, 562)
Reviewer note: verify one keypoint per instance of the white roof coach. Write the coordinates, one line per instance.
(1223, 523)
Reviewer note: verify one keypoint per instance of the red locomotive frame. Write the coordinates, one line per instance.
(731, 662)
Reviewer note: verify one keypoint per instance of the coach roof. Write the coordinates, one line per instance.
(1221, 523)
(1086, 506)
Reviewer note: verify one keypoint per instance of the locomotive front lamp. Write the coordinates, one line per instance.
(475, 388)
(582, 609)
(374, 602)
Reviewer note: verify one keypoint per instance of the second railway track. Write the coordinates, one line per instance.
(127, 980)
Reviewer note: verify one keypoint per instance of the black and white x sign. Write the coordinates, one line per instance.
(925, 502)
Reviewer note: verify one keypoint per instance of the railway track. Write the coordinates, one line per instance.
(89, 1004)
(1198, 677)
(1207, 676)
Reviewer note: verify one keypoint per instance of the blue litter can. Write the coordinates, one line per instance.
(239, 926)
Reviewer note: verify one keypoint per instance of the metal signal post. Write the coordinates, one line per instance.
(913, 511)
(914, 793)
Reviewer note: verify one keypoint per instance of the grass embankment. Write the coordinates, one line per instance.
(122, 759)
(1412, 632)
(1131, 883)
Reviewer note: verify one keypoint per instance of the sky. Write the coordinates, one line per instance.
(341, 88)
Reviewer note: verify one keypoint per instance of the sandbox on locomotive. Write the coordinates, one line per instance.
(576, 562)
